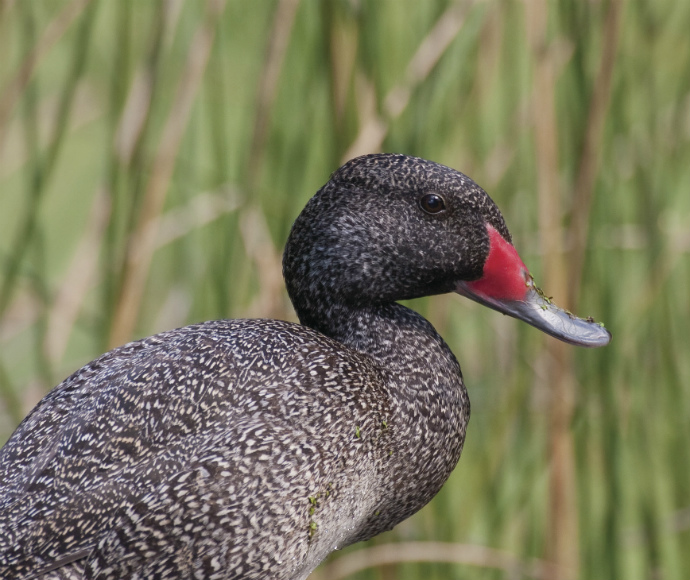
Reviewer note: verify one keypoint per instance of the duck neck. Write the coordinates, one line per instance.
(401, 342)
(391, 334)
(421, 372)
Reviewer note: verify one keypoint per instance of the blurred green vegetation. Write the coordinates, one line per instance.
(153, 156)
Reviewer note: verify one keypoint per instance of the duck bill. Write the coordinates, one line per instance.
(539, 311)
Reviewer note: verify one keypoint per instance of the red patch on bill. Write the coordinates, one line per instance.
(505, 276)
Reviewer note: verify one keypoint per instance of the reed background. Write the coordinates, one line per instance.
(154, 154)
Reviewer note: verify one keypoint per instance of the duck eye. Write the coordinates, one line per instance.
(432, 203)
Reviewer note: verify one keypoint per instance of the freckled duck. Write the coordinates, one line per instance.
(253, 448)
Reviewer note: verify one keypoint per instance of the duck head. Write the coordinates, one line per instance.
(390, 227)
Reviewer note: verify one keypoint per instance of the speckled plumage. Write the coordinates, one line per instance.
(253, 448)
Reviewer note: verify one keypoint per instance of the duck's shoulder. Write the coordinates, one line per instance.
(215, 348)
(185, 379)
